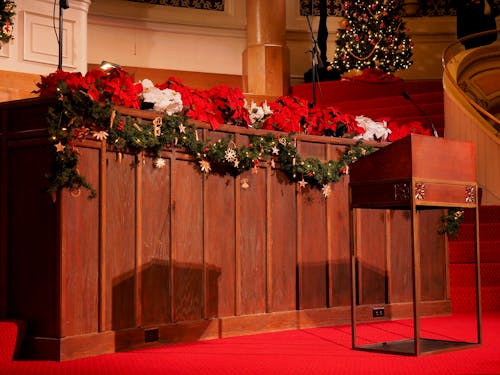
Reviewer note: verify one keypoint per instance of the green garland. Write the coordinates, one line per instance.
(76, 116)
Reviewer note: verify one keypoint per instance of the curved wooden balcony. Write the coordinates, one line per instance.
(471, 83)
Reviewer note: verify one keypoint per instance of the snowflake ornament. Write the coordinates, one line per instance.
(205, 166)
(159, 163)
(326, 190)
(230, 155)
(100, 135)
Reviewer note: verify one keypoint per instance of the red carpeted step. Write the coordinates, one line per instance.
(463, 291)
(420, 86)
(487, 232)
(11, 334)
(406, 110)
(463, 299)
(463, 251)
(390, 101)
(464, 274)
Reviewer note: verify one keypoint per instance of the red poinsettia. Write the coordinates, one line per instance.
(330, 121)
(48, 85)
(229, 104)
(197, 103)
(115, 85)
(399, 131)
(289, 114)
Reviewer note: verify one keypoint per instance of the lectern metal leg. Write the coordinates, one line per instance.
(478, 275)
(415, 243)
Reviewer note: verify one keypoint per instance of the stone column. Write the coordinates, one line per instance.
(266, 61)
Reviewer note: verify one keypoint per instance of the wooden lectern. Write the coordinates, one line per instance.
(415, 173)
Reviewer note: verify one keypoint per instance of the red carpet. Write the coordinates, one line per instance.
(308, 351)
(462, 261)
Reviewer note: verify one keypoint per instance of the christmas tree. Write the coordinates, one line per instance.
(372, 35)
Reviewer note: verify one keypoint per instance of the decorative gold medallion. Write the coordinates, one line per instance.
(419, 191)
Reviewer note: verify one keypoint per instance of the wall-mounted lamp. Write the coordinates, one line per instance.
(106, 65)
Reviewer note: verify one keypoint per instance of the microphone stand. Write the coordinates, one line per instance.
(315, 62)
(63, 4)
(422, 112)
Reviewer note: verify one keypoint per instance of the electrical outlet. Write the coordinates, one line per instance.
(378, 312)
(151, 335)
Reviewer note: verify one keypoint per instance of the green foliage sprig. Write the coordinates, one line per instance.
(452, 221)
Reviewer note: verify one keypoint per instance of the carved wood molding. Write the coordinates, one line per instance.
(196, 4)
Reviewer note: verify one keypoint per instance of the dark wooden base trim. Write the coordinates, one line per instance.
(404, 310)
(71, 347)
(82, 346)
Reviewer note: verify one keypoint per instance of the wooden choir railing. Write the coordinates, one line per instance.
(174, 255)
(17, 85)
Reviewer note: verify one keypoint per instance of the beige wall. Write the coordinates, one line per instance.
(135, 34)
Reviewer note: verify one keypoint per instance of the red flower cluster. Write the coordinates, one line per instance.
(219, 105)
(48, 85)
(399, 131)
(197, 103)
(331, 122)
(289, 114)
(230, 105)
(115, 85)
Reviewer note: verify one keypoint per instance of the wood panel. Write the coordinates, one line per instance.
(156, 242)
(120, 242)
(282, 244)
(312, 262)
(372, 250)
(253, 225)
(218, 208)
(187, 242)
(312, 240)
(434, 256)
(80, 247)
(340, 269)
(400, 281)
